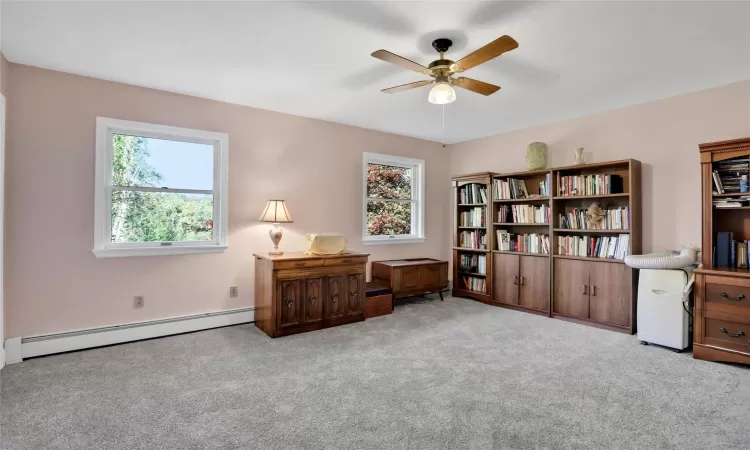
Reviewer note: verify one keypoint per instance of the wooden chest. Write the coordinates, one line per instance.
(295, 293)
(411, 276)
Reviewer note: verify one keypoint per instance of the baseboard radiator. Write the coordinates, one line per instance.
(17, 349)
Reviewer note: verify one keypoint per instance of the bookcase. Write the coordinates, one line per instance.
(721, 317)
(548, 256)
(472, 239)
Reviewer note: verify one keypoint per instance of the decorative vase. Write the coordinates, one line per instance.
(536, 156)
(578, 153)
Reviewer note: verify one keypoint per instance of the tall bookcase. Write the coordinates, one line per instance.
(467, 276)
(721, 318)
(594, 287)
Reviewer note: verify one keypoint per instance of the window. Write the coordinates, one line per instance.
(393, 199)
(159, 190)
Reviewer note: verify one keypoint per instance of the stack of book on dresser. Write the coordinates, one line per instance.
(730, 253)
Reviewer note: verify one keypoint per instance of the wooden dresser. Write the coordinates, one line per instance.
(721, 323)
(295, 293)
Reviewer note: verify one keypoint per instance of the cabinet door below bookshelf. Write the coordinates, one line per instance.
(571, 288)
(505, 278)
(534, 285)
(611, 293)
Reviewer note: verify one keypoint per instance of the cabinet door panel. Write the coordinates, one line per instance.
(572, 288)
(355, 285)
(288, 296)
(335, 297)
(505, 279)
(533, 291)
(429, 277)
(611, 293)
(312, 302)
(409, 278)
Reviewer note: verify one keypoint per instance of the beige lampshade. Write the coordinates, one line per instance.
(276, 212)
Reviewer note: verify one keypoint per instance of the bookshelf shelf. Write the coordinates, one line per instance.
(583, 197)
(522, 200)
(472, 274)
(507, 252)
(732, 208)
(472, 204)
(472, 228)
(731, 194)
(510, 224)
(575, 230)
(588, 258)
(473, 250)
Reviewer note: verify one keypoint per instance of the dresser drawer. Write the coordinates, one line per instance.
(726, 331)
(297, 264)
(346, 261)
(726, 294)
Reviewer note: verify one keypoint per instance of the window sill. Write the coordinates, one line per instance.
(157, 251)
(409, 240)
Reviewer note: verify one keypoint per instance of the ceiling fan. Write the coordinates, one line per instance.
(442, 69)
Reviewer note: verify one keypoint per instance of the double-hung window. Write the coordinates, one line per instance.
(393, 205)
(160, 190)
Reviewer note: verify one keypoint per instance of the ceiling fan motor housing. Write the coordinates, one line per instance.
(442, 45)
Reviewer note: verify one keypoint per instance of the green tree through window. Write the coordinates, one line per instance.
(391, 214)
(140, 216)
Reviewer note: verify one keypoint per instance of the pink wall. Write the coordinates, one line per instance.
(53, 281)
(4, 74)
(662, 134)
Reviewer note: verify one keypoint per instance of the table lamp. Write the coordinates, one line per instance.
(276, 213)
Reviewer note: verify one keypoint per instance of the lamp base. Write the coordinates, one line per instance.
(275, 234)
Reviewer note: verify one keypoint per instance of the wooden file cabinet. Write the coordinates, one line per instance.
(295, 293)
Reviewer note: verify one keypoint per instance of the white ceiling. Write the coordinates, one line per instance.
(313, 59)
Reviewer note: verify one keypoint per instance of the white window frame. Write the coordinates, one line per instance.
(103, 247)
(417, 200)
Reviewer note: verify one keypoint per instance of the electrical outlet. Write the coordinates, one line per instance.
(138, 301)
(233, 291)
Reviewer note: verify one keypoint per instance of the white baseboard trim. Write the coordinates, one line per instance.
(18, 349)
(13, 350)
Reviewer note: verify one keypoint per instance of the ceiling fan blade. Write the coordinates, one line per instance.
(480, 87)
(492, 50)
(405, 87)
(393, 58)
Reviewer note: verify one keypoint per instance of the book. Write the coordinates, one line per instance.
(723, 241)
(609, 247)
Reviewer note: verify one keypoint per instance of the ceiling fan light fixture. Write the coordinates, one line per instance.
(442, 94)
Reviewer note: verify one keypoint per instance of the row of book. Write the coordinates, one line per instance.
(523, 214)
(614, 219)
(510, 188)
(570, 186)
(732, 202)
(474, 263)
(526, 243)
(476, 239)
(474, 284)
(474, 217)
(728, 173)
(609, 247)
(472, 194)
(729, 252)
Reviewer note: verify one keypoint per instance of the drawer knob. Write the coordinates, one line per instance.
(335, 297)
(738, 334)
(289, 302)
(734, 299)
(312, 299)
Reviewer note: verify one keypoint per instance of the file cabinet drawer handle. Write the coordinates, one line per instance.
(289, 302)
(312, 299)
(738, 334)
(734, 299)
